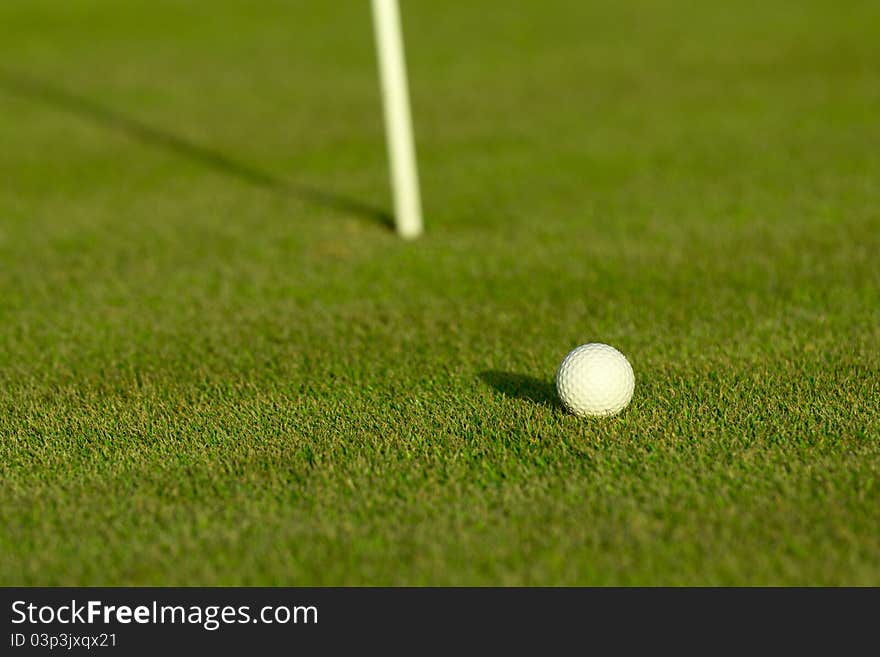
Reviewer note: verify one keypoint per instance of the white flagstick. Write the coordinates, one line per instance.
(398, 121)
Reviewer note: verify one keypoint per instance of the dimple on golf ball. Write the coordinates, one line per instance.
(595, 380)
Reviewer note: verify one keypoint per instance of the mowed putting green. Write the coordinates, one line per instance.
(219, 365)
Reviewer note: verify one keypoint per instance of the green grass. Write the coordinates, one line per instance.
(219, 366)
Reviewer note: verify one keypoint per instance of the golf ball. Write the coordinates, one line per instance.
(595, 379)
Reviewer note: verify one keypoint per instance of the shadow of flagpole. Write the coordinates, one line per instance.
(60, 99)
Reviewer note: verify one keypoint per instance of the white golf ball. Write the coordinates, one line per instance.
(595, 379)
